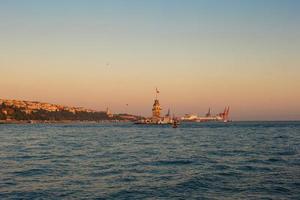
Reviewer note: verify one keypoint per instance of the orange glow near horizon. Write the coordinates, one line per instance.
(249, 98)
(199, 54)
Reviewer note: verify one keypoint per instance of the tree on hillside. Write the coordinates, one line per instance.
(2, 115)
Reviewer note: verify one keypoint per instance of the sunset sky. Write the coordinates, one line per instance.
(199, 53)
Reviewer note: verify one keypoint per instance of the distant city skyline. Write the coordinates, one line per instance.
(200, 54)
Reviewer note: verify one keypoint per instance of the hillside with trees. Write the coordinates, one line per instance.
(15, 113)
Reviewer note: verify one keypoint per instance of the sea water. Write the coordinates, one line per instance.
(237, 160)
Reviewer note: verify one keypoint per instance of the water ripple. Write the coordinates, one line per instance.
(240, 160)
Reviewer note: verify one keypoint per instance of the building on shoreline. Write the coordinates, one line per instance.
(156, 114)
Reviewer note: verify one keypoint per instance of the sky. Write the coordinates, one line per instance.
(110, 53)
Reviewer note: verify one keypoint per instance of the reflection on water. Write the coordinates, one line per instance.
(124, 161)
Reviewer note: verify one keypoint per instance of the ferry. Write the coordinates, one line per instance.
(221, 117)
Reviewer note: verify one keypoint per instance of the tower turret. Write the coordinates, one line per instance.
(156, 109)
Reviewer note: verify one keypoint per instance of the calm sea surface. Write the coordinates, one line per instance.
(239, 160)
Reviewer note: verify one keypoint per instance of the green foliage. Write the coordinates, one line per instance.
(2, 116)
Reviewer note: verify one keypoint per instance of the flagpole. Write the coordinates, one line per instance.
(156, 93)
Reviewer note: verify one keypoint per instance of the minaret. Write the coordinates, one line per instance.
(208, 113)
(227, 113)
(108, 113)
(169, 113)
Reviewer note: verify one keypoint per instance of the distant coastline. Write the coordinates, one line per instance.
(60, 122)
(22, 112)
